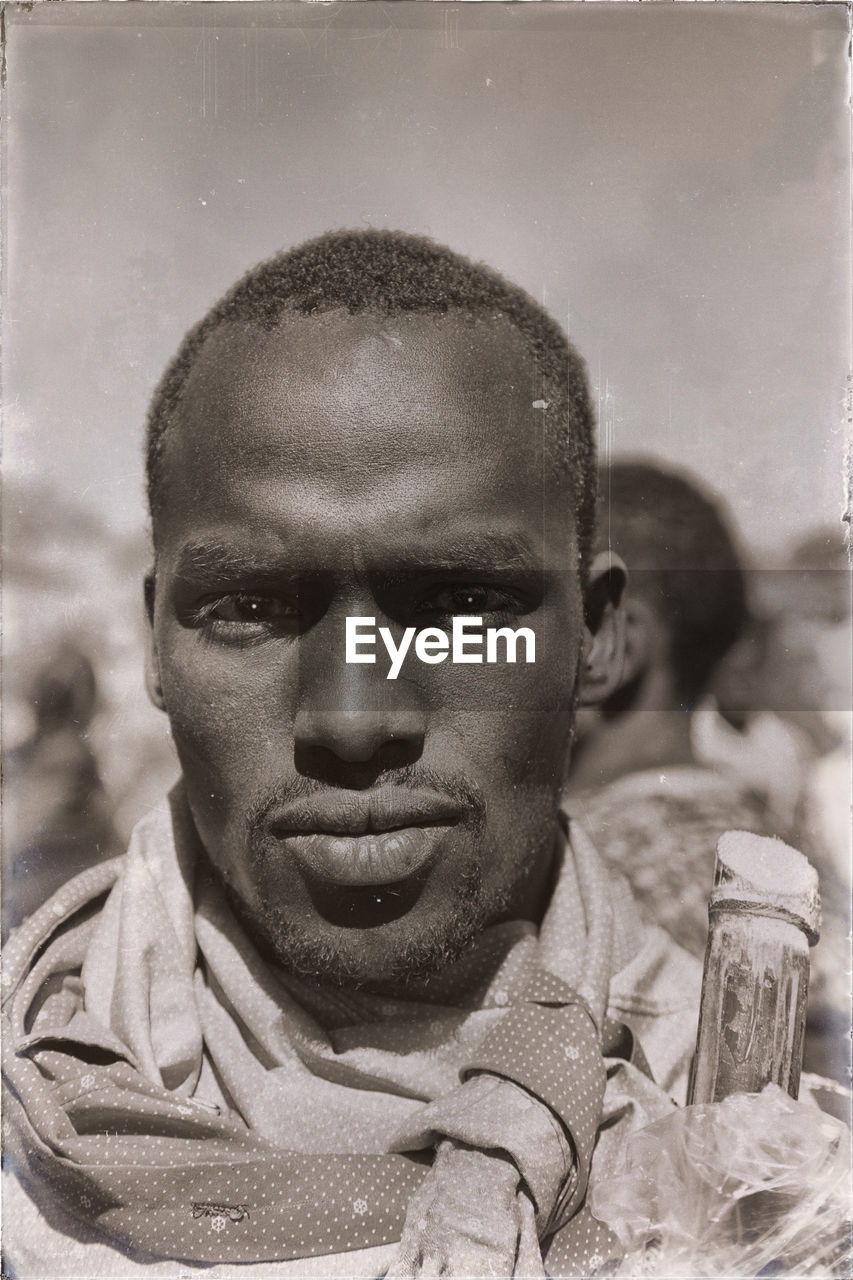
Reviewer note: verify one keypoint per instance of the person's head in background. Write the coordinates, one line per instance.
(806, 609)
(685, 607)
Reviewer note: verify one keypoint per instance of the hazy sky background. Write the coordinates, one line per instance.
(671, 181)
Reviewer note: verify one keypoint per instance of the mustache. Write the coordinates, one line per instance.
(464, 793)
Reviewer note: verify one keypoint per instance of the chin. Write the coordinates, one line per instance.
(381, 953)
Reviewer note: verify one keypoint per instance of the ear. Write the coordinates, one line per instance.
(643, 637)
(604, 630)
(153, 686)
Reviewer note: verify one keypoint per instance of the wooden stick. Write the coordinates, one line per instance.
(764, 913)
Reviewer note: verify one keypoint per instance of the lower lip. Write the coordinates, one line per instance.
(379, 858)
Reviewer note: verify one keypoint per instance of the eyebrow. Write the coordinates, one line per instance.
(212, 559)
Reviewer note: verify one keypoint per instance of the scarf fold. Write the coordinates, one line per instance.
(195, 1103)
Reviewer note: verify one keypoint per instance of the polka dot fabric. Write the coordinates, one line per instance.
(555, 1054)
(124, 1084)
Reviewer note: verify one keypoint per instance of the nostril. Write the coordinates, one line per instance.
(352, 737)
(367, 739)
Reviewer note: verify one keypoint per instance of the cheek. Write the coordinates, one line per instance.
(227, 708)
(513, 721)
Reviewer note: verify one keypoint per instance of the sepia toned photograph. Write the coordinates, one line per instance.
(427, 721)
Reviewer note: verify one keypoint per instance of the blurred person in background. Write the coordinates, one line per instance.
(788, 681)
(736, 730)
(639, 780)
(85, 754)
(807, 681)
(58, 819)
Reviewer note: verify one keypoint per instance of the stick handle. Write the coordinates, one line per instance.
(764, 913)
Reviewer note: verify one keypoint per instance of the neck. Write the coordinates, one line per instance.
(652, 732)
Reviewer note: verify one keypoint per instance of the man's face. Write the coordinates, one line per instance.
(395, 469)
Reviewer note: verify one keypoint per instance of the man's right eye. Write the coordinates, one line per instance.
(246, 615)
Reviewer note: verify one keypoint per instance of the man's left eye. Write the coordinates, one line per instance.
(470, 600)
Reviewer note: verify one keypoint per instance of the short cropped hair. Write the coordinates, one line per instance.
(390, 272)
(682, 560)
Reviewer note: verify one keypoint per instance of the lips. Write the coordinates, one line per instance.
(366, 837)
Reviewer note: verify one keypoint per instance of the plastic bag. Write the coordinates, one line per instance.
(755, 1185)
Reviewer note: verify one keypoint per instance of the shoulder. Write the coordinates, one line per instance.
(79, 898)
(654, 988)
(660, 978)
(657, 995)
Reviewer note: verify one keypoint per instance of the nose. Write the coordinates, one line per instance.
(350, 709)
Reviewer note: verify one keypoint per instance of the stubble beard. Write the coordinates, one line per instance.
(416, 946)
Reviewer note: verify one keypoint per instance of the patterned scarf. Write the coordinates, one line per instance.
(194, 1102)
